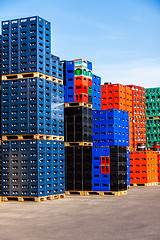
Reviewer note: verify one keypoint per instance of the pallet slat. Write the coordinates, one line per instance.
(78, 104)
(150, 118)
(100, 193)
(72, 144)
(31, 75)
(144, 184)
(32, 137)
(35, 199)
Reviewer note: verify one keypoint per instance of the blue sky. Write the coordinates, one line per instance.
(120, 37)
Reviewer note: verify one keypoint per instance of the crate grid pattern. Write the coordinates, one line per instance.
(32, 109)
(152, 96)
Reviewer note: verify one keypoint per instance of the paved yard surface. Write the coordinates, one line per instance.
(132, 217)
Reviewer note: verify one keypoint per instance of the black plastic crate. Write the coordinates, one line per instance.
(78, 185)
(87, 185)
(79, 162)
(70, 186)
(78, 124)
(87, 175)
(121, 166)
(118, 149)
(78, 175)
(118, 176)
(118, 186)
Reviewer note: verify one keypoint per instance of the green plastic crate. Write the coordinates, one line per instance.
(90, 90)
(152, 100)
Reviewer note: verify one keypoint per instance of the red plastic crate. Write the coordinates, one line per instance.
(81, 89)
(81, 97)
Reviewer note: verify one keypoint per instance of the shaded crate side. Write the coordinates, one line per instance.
(100, 181)
(78, 162)
(56, 67)
(78, 124)
(32, 168)
(25, 36)
(96, 92)
(31, 106)
(110, 127)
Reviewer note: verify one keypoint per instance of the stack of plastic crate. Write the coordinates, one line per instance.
(138, 115)
(32, 113)
(0, 124)
(119, 96)
(56, 67)
(158, 159)
(139, 129)
(152, 97)
(109, 155)
(144, 168)
(96, 92)
(80, 84)
(82, 91)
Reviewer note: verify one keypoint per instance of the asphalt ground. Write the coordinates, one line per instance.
(132, 217)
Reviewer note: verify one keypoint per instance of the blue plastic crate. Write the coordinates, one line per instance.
(105, 178)
(96, 143)
(31, 167)
(35, 116)
(96, 177)
(105, 186)
(28, 29)
(96, 186)
(96, 168)
(89, 65)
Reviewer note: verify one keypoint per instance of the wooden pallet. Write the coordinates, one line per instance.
(150, 118)
(31, 75)
(100, 193)
(74, 144)
(144, 184)
(32, 137)
(35, 199)
(131, 149)
(78, 104)
(134, 116)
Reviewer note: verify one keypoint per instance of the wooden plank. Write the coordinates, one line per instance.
(135, 116)
(32, 137)
(78, 104)
(32, 75)
(144, 184)
(35, 199)
(74, 144)
(100, 193)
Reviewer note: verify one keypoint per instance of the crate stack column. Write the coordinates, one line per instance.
(138, 123)
(119, 96)
(78, 124)
(138, 116)
(82, 91)
(109, 159)
(100, 153)
(152, 97)
(158, 160)
(144, 169)
(0, 122)
(143, 163)
(32, 113)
